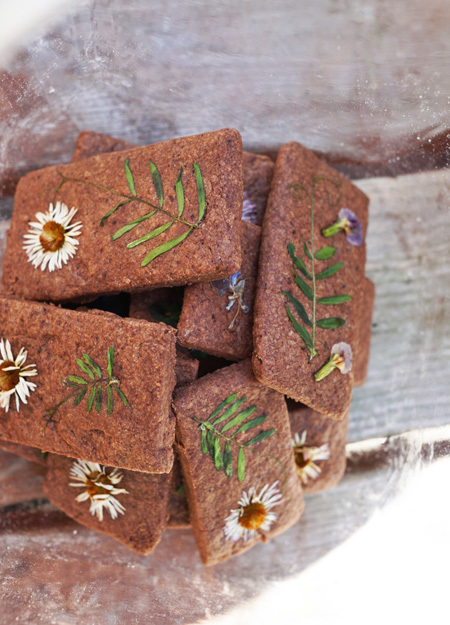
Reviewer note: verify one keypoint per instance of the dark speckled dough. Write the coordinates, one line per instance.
(138, 436)
(211, 494)
(141, 525)
(280, 357)
(104, 266)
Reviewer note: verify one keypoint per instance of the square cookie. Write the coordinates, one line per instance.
(128, 506)
(160, 215)
(233, 441)
(311, 273)
(87, 385)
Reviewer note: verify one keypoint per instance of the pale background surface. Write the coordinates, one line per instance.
(368, 84)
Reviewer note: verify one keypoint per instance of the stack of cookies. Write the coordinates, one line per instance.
(182, 328)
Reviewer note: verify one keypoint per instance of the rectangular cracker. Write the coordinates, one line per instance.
(212, 493)
(137, 436)
(206, 324)
(281, 357)
(95, 186)
(318, 437)
(145, 513)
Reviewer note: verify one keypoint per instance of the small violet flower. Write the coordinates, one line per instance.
(236, 294)
(350, 224)
(249, 210)
(341, 358)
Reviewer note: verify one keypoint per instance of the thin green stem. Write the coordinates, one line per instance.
(52, 411)
(123, 195)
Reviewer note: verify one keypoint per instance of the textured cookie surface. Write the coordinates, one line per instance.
(205, 322)
(300, 274)
(233, 439)
(144, 516)
(91, 402)
(165, 232)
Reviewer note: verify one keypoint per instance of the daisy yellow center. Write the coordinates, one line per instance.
(253, 516)
(92, 484)
(8, 379)
(52, 236)
(301, 460)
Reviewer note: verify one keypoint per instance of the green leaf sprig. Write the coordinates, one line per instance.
(226, 416)
(305, 277)
(159, 208)
(93, 381)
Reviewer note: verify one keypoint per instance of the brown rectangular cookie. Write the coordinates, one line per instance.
(97, 386)
(137, 518)
(319, 447)
(233, 441)
(20, 481)
(258, 173)
(160, 215)
(205, 322)
(24, 451)
(91, 143)
(304, 283)
(365, 331)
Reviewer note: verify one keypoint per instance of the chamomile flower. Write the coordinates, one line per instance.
(307, 456)
(100, 487)
(253, 515)
(13, 376)
(51, 240)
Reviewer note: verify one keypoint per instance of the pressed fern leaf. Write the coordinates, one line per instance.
(217, 438)
(159, 208)
(95, 381)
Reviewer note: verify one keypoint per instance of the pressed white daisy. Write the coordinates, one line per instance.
(13, 376)
(100, 487)
(253, 515)
(306, 457)
(50, 241)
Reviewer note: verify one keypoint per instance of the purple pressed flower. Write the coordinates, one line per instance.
(341, 358)
(249, 210)
(350, 224)
(234, 286)
(236, 290)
